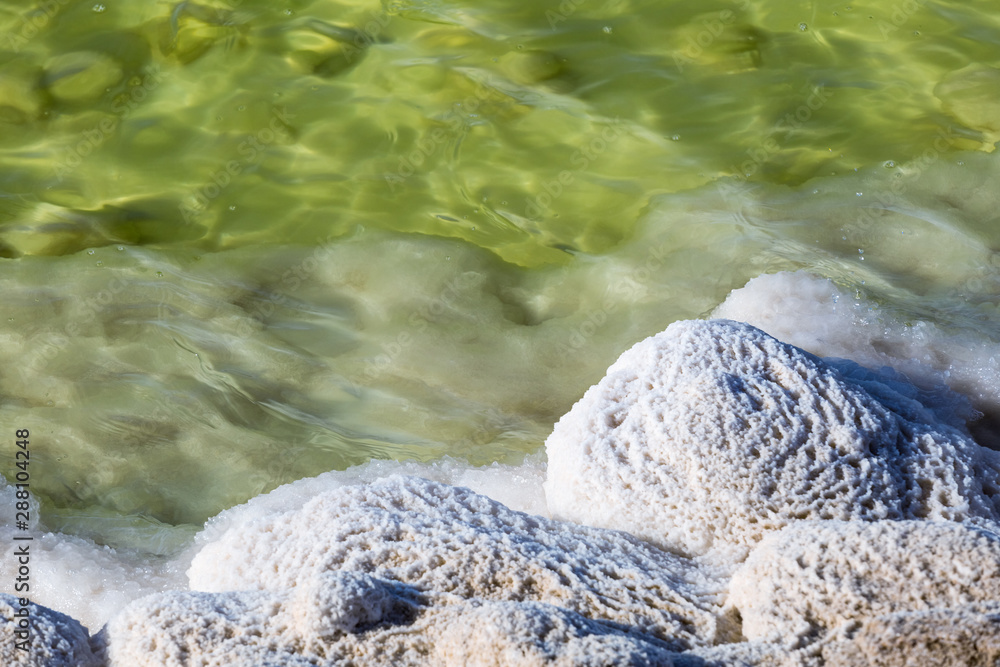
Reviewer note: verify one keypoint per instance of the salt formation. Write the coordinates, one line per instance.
(408, 571)
(815, 576)
(968, 635)
(55, 640)
(815, 314)
(711, 434)
(386, 623)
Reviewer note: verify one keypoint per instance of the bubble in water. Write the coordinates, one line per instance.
(888, 164)
(859, 193)
(803, 27)
(120, 248)
(98, 8)
(607, 29)
(90, 252)
(676, 137)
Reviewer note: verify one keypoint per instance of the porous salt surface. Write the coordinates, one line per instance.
(55, 640)
(707, 436)
(815, 576)
(448, 539)
(968, 635)
(815, 314)
(398, 626)
(409, 571)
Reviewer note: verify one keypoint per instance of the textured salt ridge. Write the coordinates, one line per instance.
(409, 571)
(707, 436)
(814, 576)
(356, 619)
(449, 539)
(813, 313)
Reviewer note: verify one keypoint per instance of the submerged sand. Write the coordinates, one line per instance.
(719, 498)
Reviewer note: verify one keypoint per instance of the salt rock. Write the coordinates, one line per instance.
(54, 639)
(814, 576)
(184, 628)
(269, 628)
(707, 436)
(250, 628)
(495, 634)
(448, 540)
(968, 636)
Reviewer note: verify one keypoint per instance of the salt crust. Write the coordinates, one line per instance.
(409, 571)
(815, 576)
(397, 625)
(964, 636)
(711, 434)
(56, 640)
(450, 540)
(968, 635)
(815, 314)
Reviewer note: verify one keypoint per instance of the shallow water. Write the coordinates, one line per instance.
(247, 243)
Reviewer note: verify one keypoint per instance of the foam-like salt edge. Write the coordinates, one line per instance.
(819, 483)
(815, 314)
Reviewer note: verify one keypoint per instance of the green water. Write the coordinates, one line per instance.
(247, 242)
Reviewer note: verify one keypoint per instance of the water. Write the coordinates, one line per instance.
(246, 243)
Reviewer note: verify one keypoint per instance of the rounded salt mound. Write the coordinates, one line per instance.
(813, 576)
(405, 571)
(710, 434)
